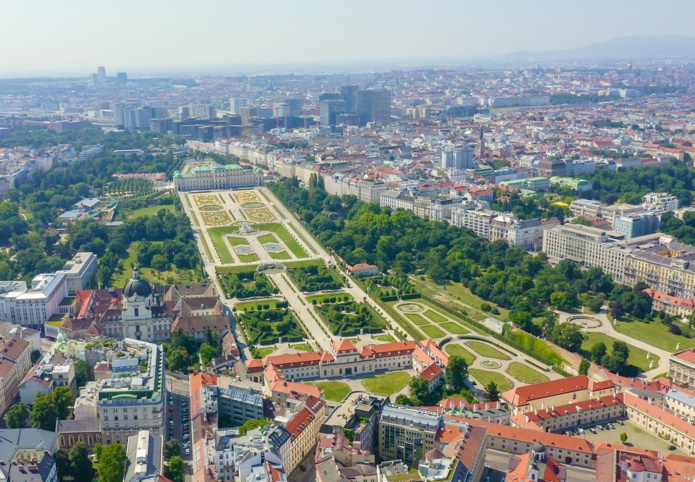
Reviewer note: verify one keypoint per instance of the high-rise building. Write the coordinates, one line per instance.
(246, 113)
(374, 105)
(295, 105)
(236, 103)
(143, 115)
(101, 75)
(457, 159)
(329, 109)
(122, 78)
(349, 95)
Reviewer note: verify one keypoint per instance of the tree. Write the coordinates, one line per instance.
(584, 367)
(177, 359)
(112, 463)
(568, 336)
(252, 424)
(623, 437)
(35, 356)
(177, 469)
(172, 448)
(403, 400)
(98, 449)
(492, 393)
(17, 416)
(62, 464)
(82, 371)
(43, 412)
(62, 399)
(457, 373)
(80, 463)
(598, 351)
(208, 352)
(581, 220)
(419, 390)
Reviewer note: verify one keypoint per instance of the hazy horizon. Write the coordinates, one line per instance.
(43, 37)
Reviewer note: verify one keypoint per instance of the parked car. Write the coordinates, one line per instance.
(592, 430)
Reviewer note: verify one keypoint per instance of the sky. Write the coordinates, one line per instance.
(75, 36)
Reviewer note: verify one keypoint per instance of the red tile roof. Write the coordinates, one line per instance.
(521, 396)
(344, 346)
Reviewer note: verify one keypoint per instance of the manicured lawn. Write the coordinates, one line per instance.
(387, 384)
(237, 241)
(454, 328)
(302, 347)
(654, 333)
(484, 377)
(265, 351)
(525, 374)
(151, 211)
(458, 350)
(417, 319)
(487, 351)
(248, 258)
(385, 338)
(253, 305)
(434, 316)
(433, 331)
(304, 263)
(267, 238)
(235, 269)
(280, 255)
(284, 236)
(335, 391)
(217, 236)
(460, 292)
(638, 357)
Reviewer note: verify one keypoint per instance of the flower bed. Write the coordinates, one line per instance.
(247, 196)
(215, 219)
(262, 215)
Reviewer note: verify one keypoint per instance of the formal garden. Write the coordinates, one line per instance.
(271, 326)
(246, 285)
(206, 199)
(219, 218)
(246, 196)
(260, 215)
(315, 278)
(349, 318)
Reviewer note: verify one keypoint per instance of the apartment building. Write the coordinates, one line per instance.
(45, 377)
(666, 266)
(15, 362)
(407, 433)
(32, 306)
(237, 404)
(78, 270)
(659, 202)
(125, 405)
(304, 428)
(144, 453)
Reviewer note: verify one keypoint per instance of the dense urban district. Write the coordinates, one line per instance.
(378, 277)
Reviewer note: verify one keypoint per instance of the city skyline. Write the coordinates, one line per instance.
(221, 37)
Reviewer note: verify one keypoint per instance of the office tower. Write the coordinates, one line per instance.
(183, 113)
(94, 80)
(329, 109)
(101, 75)
(236, 103)
(374, 105)
(349, 95)
(295, 105)
(124, 116)
(143, 115)
(281, 109)
(201, 111)
(122, 78)
(246, 114)
(329, 96)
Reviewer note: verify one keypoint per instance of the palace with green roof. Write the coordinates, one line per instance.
(206, 175)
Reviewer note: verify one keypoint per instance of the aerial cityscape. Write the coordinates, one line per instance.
(356, 242)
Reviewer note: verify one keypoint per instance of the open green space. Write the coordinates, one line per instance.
(234, 241)
(484, 349)
(432, 331)
(459, 292)
(638, 356)
(180, 276)
(248, 258)
(434, 316)
(284, 236)
(302, 347)
(329, 298)
(385, 338)
(417, 319)
(315, 278)
(334, 391)
(265, 351)
(458, 350)
(217, 236)
(656, 334)
(525, 374)
(267, 238)
(454, 328)
(303, 263)
(151, 210)
(387, 384)
(279, 255)
(485, 377)
(235, 269)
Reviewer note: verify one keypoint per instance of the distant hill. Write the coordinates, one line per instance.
(634, 47)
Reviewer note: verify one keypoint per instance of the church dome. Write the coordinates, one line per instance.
(136, 286)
